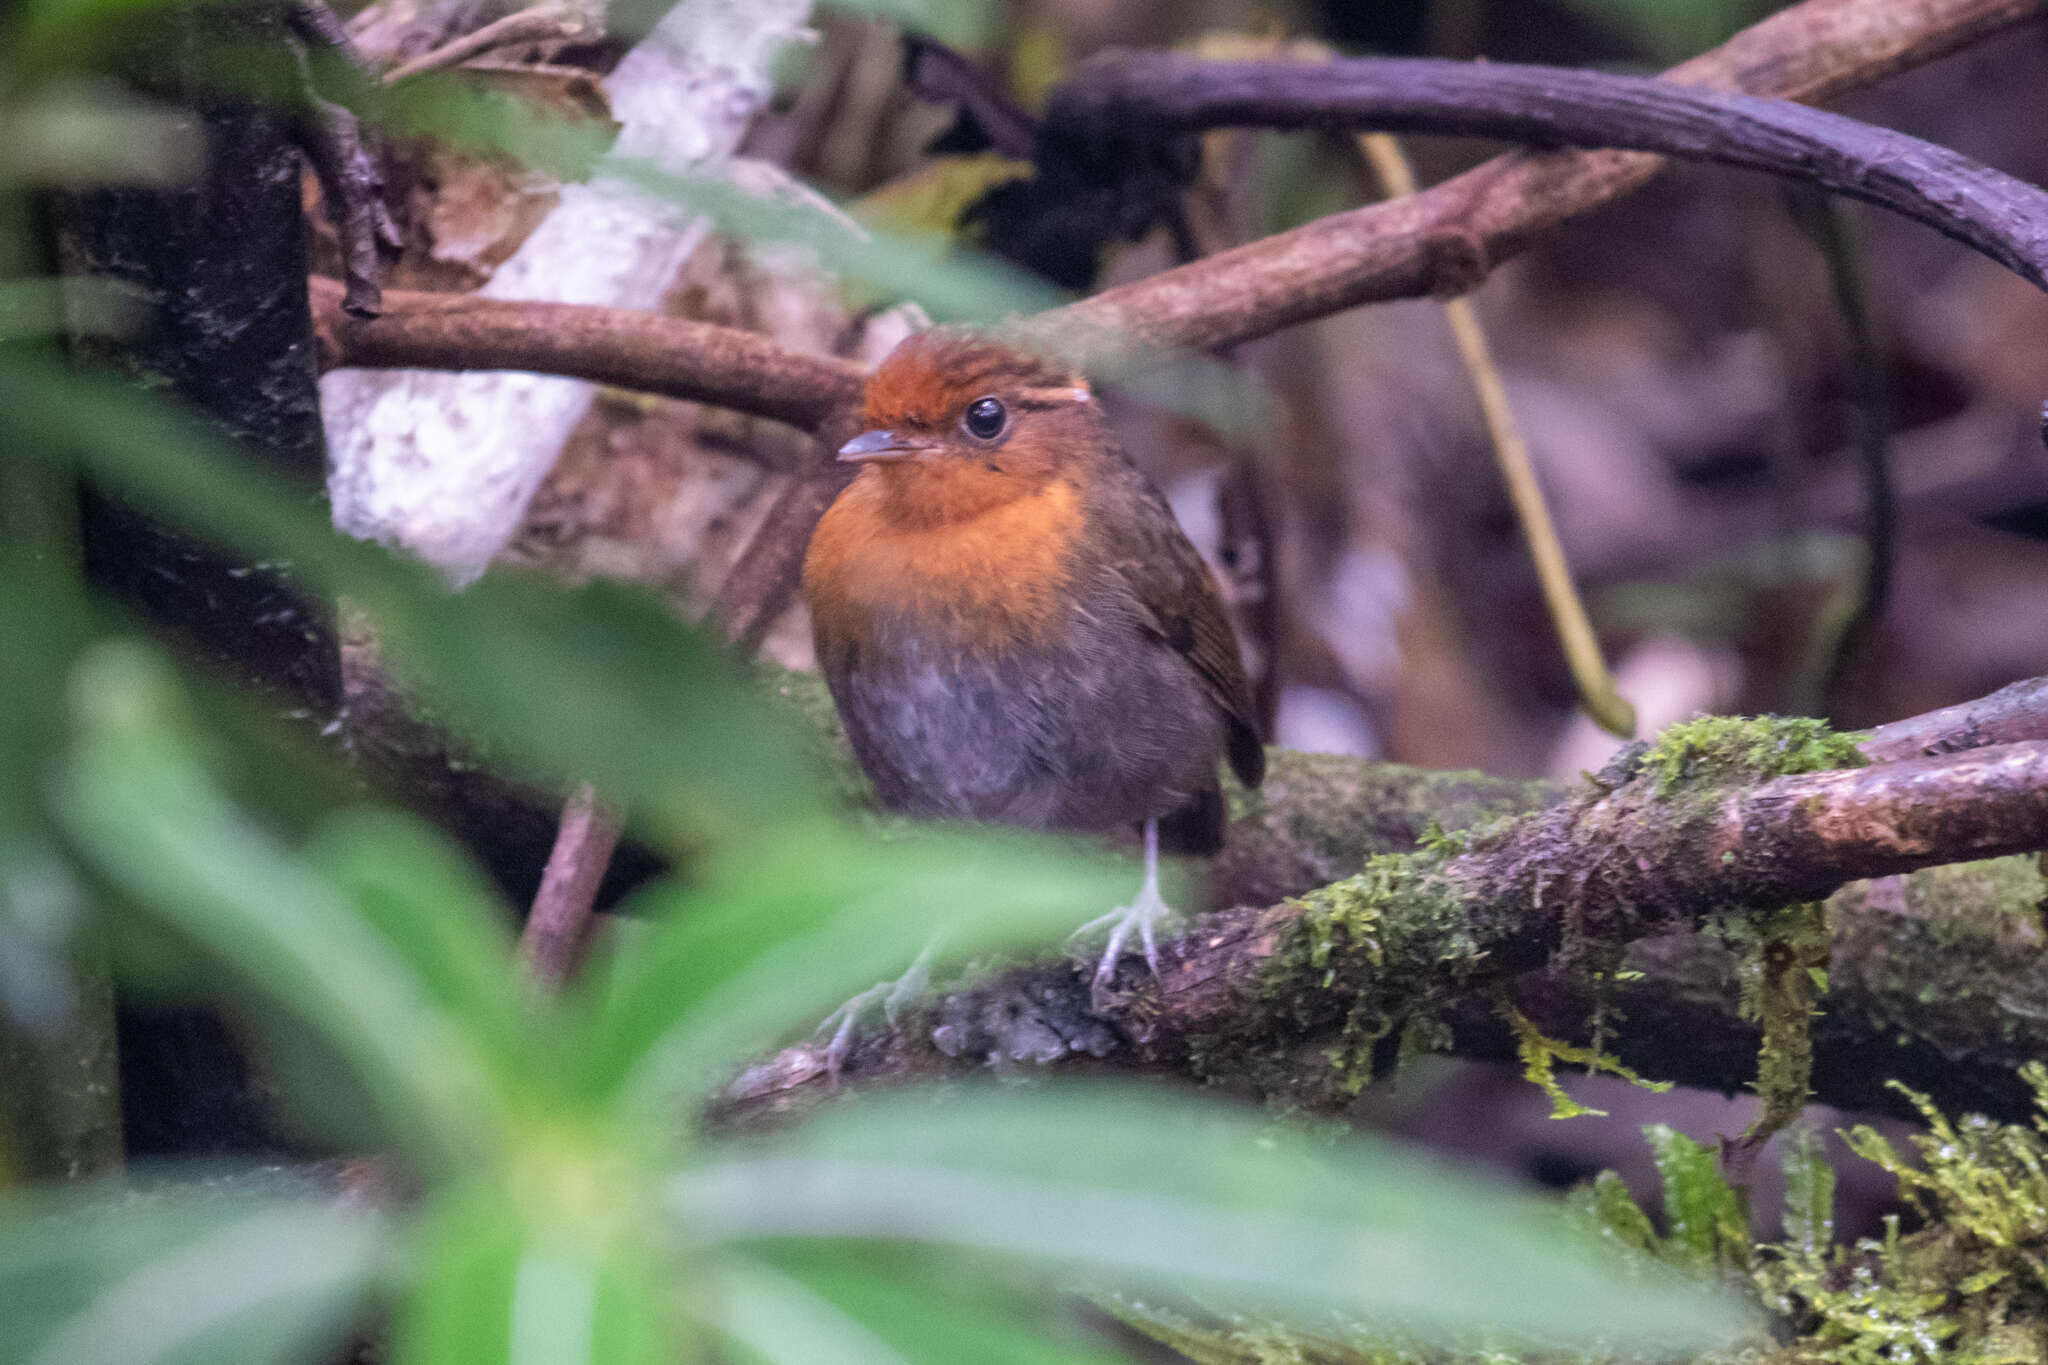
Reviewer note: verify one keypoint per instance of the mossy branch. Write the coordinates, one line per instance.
(1658, 845)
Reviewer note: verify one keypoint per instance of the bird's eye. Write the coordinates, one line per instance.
(985, 419)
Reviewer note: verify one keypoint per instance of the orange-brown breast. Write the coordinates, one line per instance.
(989, 579)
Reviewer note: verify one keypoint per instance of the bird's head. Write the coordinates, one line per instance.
(956, 424)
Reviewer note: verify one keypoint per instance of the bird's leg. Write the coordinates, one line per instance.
(1142, 914)
(892, 996)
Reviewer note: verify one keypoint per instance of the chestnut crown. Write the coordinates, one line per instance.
(946, 393)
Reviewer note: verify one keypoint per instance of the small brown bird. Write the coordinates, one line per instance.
(1011, 622)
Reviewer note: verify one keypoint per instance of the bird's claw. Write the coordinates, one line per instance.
(843, 1021)
(894, 997)
(1143, 915)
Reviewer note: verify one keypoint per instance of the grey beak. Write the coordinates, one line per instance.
(881, 445)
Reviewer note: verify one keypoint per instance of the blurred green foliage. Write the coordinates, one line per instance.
(1968, 1288)
(556, 1200)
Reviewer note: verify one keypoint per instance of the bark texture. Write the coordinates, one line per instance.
(1939, 972)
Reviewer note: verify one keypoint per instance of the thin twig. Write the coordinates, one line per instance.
(1873, 439)
(764, 577)
(2007, 716)
(1574, 630)
(559, 924)
(351, 185)
(540, 24)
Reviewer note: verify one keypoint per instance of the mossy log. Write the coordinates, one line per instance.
(1392, 926)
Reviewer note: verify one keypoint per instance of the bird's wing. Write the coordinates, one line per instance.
(1168, 575)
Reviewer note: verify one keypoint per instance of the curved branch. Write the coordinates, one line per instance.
(1612, 869)
(1447, 238)
(627, 347)
(1164, 93)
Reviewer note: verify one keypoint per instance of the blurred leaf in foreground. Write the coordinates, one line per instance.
(568, 1211)
(599, 683)
(199, 1273)
(80, 134)
(1158, 1193)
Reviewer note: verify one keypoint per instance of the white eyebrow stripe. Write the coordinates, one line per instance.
(1053, 396)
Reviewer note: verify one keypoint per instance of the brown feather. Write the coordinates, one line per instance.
(1016, 566)
(1168, 575)
(930, 377)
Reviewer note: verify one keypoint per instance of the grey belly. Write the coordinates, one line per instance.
(1117, 739)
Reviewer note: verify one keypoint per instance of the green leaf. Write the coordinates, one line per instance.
(493, 1287)
(1608, 1206)
(49, 38)
(1675, 29)
(600, 683)
(1708, 1231)
(453, 109)
(82, 134)
(1155, 1191)
(952, 283)
(187, 1277)
(149, 818)
(1809, 1191)
(464, 1252)
(772, 934)
(435, 908)
(42, 621)
(37, 308)
(768, 1317)
(895, 1303)
(41, 905)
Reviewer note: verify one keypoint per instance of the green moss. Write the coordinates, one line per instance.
(1369, 954)
(1970, 1287)
(1744, 748)
(1322, 815)
(1540, 1057)
(1783, 981)
(1981, 899)
(1784, 952)
(1378, 949)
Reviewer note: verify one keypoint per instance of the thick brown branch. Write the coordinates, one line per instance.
(626, 347)
(1318, 817)
(1633, 865)
(1448, 237)
(1614, 868)
(1129, 95)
